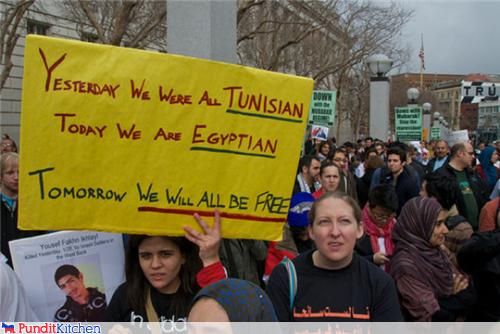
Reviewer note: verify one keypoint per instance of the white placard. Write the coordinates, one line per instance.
(457, 136)
(98, 256)
(319, 132)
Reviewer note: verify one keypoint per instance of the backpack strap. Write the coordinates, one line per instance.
(292, 280)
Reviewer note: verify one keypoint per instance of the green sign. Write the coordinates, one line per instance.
(322, 110)
(408, 123)
(435, 133)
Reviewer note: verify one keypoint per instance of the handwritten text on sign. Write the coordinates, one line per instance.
(131, 141)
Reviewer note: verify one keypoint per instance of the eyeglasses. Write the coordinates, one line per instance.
(381, 216)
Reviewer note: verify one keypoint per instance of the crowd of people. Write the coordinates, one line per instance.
(375, 232)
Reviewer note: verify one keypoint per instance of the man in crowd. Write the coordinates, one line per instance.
(403, 178)
(440, 156)
(308, 172)
(368, 142)
(470, 189)
(82, 303)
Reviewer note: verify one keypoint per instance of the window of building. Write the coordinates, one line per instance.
(38, 28)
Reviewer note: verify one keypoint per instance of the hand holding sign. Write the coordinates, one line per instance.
(208, 241)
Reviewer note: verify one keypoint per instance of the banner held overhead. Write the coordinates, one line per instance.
(125, 140)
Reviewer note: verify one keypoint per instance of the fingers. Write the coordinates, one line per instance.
(455, 281)
(380, 258)
(191, 234)
(464, 282)
(460, 282)
(202, 224)
(216, 227)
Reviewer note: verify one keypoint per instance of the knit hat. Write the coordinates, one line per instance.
(300, 205)
(242, 300)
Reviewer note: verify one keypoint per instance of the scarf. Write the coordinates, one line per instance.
(414, 255)
(375, 232)
(10, 203)
(304, 187)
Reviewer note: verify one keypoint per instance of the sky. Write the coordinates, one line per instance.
(460, 36)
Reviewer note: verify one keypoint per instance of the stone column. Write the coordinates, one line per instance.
(202, 29)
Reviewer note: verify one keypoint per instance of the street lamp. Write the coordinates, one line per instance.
(426, 120)
(436, 123)
(379, 65)
(412, 94)
(436, 116)
(427, 107)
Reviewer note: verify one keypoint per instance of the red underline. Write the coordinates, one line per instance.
(210, 214)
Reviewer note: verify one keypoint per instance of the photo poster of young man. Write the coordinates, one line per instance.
(69, 275)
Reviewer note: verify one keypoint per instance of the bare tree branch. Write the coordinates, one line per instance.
(84, 5)
(9, 36)
(121, 21)
(244, 6)
(153, 24)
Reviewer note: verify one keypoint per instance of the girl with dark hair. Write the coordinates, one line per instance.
(379, 219)
(164, 273)
(430, 286)
(331, 282)
(323, 150)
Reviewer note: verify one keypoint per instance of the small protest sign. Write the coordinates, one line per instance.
(60, 270)
(319, 132)
(322, 108)
(457, 137)
(435, 133)
(408, 123)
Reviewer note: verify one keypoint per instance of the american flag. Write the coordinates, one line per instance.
(421, 54)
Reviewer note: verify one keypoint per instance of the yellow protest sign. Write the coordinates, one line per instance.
(125, 140)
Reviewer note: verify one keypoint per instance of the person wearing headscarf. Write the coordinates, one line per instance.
(487, 170)
(232, 300)
(430, 286)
